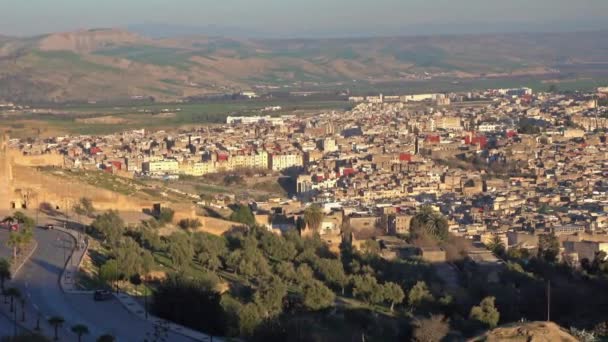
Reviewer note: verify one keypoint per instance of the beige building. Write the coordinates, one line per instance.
(256, 160)
(161, 166)
(198, 169)
(279, 162)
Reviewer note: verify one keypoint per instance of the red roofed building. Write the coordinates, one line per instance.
(222, 156)
(479, 140)
(405, 157)
(116, 165)
(432, 139)
(95, 150)
(348, 171)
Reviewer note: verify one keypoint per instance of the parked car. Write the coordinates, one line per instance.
(102, 295)
(48, 227)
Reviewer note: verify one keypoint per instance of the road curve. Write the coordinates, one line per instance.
(39, 280)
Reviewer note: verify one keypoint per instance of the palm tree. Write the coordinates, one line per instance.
(56, 322)
(13, 292)
(80, 329)
(5, 272)
(18, 239)
(428, 221)
(14, 242)
(496, 245)
(313, 216)
(106, 338)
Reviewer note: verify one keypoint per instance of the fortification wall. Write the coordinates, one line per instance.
(50, 159)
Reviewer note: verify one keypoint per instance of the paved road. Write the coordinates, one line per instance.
(39, 280)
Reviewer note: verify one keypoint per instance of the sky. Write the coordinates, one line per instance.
(295, 18)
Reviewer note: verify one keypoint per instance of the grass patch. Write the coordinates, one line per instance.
(67, 59)
(100, 179)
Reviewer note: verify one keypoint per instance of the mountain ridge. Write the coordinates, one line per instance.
(71, 66)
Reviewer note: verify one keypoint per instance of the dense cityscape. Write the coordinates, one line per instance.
(423, 171)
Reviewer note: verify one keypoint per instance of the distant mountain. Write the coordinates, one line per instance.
(159, 30)
(107, 64)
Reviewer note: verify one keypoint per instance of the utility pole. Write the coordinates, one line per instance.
(548, 300)
(15, 322)
(146, 300)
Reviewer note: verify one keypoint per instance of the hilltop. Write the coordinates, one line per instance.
(528, 332)
(107, 64)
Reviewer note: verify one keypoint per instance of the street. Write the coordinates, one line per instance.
(39, 281)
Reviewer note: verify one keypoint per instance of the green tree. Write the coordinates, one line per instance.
(5, 272)
(429, 222)
(17, 240)
(210, 262)
(249, 318)
(277, 247)
(286, 271)
(24, 220)
(313, 217)
(253, 263)
(13, 242)
(233, 260)
(486, 312)
(497, 246)
(366, 288)
(243, 215)
(13, 293)
(269, 296)
(332, 272)
(211, 244)
(317, 296)
(110, 225)
(600, 263)
(305, 273)
(80, 330)
(56, 322)
(109, 272)
(180, 250)
(189, 223)
(393, 293)
(84, 207)
(371, 246)
(166, 215)
(106, 338)
(419, 294)
(185, 300)
(548, 247)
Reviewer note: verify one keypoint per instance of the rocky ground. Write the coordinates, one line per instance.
(528, 332)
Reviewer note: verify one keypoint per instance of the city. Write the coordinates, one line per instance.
(436, 181)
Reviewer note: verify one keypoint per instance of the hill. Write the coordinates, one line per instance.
(528, 332)
(109, 64)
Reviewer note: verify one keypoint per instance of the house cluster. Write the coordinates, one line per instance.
(506, 163)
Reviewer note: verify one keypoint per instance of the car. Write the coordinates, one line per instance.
(48, 227)
(102, 295)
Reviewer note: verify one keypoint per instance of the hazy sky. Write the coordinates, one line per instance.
(314, 17)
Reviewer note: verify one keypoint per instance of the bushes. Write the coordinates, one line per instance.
(193, 303)
(243, 215)
(166, 215)
(189, 224)
(486, 313)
